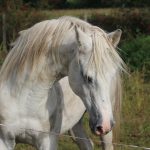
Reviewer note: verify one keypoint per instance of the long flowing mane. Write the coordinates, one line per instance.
(116, 90)
(44, 39)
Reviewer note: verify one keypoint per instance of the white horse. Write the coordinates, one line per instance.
(42, 55)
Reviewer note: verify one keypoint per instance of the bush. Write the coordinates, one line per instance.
(136, 53)
(131, 22)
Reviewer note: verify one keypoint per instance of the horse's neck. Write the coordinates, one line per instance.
(35, 96)
(38, 89)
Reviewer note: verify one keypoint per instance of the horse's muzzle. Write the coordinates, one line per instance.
(102, 128)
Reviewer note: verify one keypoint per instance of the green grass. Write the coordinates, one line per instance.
(136, 111)
(135, 121)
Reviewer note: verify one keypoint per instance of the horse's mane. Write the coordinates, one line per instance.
(116, 91)
(44, 38)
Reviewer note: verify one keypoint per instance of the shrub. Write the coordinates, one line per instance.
(137, 53)
(131, 22)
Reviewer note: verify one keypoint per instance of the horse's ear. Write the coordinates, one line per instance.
(84, 40)
(115, 36)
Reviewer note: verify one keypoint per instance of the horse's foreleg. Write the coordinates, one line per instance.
(3, 146)
(6, 145)
(78, 131)
(107, 141)
(48, 142)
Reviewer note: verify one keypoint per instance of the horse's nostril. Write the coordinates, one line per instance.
(99, 129)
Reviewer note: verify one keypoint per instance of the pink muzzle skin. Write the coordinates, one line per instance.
(106, 125)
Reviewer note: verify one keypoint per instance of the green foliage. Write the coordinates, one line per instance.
(136, 3)
(136, 52)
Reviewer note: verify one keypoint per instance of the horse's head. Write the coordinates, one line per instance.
(91, 71)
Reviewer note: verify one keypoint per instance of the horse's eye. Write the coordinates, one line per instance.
(89, 79)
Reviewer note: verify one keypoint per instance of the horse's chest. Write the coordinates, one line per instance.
(32, 130)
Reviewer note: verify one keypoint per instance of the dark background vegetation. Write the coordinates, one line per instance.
(132, 16)
(48, 4)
